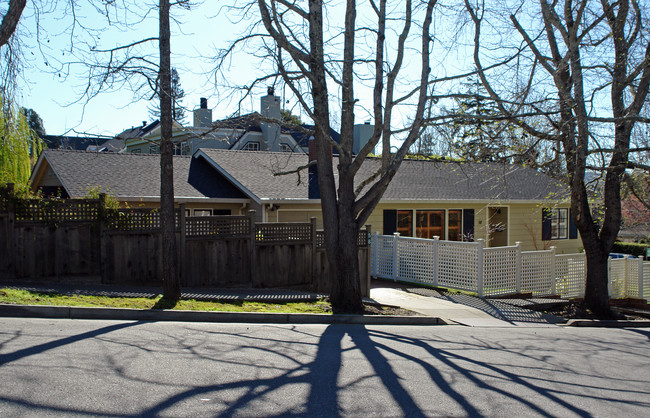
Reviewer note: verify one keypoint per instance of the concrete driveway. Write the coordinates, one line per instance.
(458, 308)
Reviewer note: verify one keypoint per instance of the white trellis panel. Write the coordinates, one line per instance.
(537, 272)
(646, 282)
(617, 278)
(570, 275)
(417, 260)
(458, 265)
(382, 256)
(500, 271)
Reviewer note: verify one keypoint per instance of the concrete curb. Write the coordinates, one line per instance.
(607, 323)
(68, 312)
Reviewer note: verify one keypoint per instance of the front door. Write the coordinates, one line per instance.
(497, 226)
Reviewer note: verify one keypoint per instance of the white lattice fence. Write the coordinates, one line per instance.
(500, 270)
(382, 256)
(629, 278)
(645, 294)
(538, 272)
(417, 260)
(617, 278)
(570, 273)
(458, 265)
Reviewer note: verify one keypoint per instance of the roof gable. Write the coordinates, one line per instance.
(134, 176)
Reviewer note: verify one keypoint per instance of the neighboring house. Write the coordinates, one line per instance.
(79, 143)
(501, 204)
(250, 132)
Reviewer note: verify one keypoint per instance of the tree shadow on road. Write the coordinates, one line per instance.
(327, 372)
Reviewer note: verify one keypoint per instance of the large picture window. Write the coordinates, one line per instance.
(430, 223)
(405, 223)
(453, 224)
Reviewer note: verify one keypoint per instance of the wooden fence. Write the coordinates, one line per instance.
(78, 241)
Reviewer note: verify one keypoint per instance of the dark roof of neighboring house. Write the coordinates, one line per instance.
(415, 180)
(79, 143)
(301, 135)
(138, 131)
(129, 176)
(252, 121)
(247, 122)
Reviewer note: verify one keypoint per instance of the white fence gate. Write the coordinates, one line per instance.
(498, 271)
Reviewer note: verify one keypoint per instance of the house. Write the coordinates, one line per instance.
(79, 143)
(256, 131)
(501, 204)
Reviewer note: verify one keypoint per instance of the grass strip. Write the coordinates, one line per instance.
(26, 297)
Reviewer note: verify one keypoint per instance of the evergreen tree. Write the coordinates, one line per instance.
(34, 121)
(177, 92)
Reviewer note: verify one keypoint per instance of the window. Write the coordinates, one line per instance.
(154, 149)
(251, 146)
(559, 224)
(181, 148)
(202, 212)
(405, 223)
(430, 223)
(454, 225)
(285, 148)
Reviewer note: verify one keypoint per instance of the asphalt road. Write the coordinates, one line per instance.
(112, 368)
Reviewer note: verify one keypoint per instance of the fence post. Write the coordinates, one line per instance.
(11, 225)
(640, 274)
(518, 272)
(369, 247)
(626, 270)
(436, 243)
(609, 276)
(375, 240)
(183, 243)
(252, 247)
(314, 247)
(395, 256)
(553, 272)
(479, 268)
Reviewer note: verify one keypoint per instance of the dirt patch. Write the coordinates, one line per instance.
(576, 310)
(386, 310)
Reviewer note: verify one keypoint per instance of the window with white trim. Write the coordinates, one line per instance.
(560, 223)
(251, 146)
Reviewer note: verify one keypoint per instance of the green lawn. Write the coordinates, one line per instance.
(25, 297)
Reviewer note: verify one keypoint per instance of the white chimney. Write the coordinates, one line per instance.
(203, 115)
(270, 105)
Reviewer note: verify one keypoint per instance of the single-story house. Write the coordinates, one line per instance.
(499, 203)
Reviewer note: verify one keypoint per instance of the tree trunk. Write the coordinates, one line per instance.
(596, 293)
(171, 283)
(345, 293)
(11, 19)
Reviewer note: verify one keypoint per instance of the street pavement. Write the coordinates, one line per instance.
(61, 367)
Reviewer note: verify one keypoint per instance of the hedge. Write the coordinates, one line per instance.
(631, 248)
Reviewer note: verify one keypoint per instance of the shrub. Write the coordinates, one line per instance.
(631, 248)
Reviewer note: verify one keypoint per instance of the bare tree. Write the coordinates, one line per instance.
(312, 53)
(134, 65)
(594, 57)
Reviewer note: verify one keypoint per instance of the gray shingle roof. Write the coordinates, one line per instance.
(129, 176)
(134, 175)
(415, 180)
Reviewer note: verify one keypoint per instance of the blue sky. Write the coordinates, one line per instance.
(58, 99)
(197, 36)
